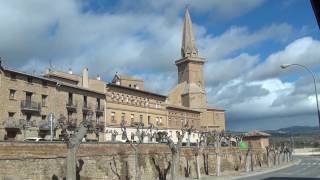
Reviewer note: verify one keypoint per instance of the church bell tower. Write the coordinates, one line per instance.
(190, 69)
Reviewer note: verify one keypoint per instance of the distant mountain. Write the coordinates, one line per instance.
(296, 130)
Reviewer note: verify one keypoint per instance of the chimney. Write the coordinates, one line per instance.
(70, 71)
(85, 78)
(47, 71)
(98, 77)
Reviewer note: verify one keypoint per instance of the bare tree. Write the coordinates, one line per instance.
(162, 173)
(187, 169)
(175, 150)
(114, 168)
(73, 144)
(140, 134)
(218, 136)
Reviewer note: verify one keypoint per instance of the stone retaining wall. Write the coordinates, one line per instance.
(104, 161)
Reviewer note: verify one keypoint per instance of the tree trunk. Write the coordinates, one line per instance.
(218, 165)
(71, 164)
(136, 163)
(198, 166)
(248, 161)
(175, 166)
(268, 160)
(188, 142)
(73, 146)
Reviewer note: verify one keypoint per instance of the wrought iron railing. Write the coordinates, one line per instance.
(99, 108)
(71, 104)
(30, 106)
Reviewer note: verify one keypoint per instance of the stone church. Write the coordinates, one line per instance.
(28, 99)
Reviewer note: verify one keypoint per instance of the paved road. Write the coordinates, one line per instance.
(308, 168)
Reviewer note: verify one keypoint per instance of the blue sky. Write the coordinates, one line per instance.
(244, 42)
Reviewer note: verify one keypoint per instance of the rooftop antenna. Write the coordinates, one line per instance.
(51, 66)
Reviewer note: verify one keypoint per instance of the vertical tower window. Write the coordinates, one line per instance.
(123, 115)
(85, 101)
(44, 100)
(12, 94)
(29, 79)
(113, 119)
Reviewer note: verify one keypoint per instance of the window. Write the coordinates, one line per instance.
(70, 98)
(160, 120)
(44, 83)
(85, 101)
(141, 118)
(29, 79)
(12, 94)
(28, 96)
(129, 85)
(123, 115)
(43, 117)
(149, 119)
(84, 116)
(69, 116)
(132, 118)
(98, 103)
(98, 118)
(13, 76)
(113, 116)
(44, 100)
(11, 114)
(28, 117)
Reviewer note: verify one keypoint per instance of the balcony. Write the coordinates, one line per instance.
(99, 109)
(44, 126)
(100, 125)
(71, 106)
(30, 106)
(12, 123)
(86, 108)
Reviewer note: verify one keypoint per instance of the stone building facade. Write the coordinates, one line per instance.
(27, 100)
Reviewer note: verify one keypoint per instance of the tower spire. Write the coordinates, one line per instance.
(188, 48)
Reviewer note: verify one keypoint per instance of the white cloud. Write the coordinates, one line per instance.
(304, 51)
(239, 38)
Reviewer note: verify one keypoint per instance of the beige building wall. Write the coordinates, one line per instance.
(179, 117)
(46, 96)
(214, 120)
(133, 106)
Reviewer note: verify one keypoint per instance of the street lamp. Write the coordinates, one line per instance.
(284, 66)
